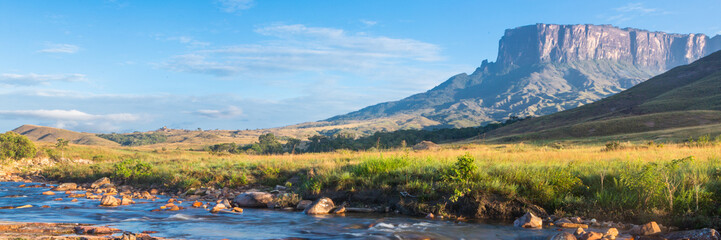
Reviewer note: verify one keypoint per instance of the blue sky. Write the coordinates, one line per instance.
(119, 66)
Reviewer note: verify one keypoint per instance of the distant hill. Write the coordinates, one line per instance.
(686, 96)
(540, 69)
(50, 134)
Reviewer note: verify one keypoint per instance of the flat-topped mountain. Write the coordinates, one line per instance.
(50, 134)
(543, 69)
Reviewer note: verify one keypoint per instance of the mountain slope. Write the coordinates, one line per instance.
(543, 69)
(688, 95)
(49, 134)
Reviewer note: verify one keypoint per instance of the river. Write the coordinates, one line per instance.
(197, 223)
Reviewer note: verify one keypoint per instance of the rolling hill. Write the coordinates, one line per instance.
(50, 134)
(686, 96)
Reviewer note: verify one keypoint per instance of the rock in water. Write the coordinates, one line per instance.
(109, 201)
(320, 206)
(528, 221)
(611, 233)
(65, 187)
(563, 236)
(100, 182)
(698, 234)
(303, 204)
(650, 228)
(592, 236)
(253, 199)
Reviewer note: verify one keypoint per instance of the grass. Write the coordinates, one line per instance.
(629, 182)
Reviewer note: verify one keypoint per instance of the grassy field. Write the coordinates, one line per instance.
(625, 180)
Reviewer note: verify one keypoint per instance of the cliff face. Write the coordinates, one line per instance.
(545, 68)
(549, 43)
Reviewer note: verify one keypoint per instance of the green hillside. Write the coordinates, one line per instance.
(685, 96)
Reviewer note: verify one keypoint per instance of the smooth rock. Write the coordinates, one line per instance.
(611, 233)
(65, 187)
(48, 193)
(591, 236)
(303, 204)
(563, 236)
(109, 201)
(253, 199)
(528, 221)
(649, 228)
(100, 182)
(698, 234)
(320, 206)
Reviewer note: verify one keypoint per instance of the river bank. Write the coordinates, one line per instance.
(499, 183)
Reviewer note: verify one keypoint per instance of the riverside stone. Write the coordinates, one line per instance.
(320, 206)
(649, 228)
(563, 236)
(253, 199)
(65, 187)
(100, 182)
(528, 221)
(109, 201)
(303, 204)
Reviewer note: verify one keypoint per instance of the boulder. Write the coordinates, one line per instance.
(253, 199)
(126, 201)
(528, 221)
(320, 206)
(303, 204)
(611, 233)
(100, 182)
(563, 236)
(649, 228)
(65, 187)
(591, 236)
(48, 193)
(698, 234)
(109, 201)
(579, 232)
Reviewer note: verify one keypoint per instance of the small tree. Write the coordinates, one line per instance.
(61, 144)
(16, 146)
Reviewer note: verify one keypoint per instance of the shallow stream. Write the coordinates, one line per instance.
(198, 223)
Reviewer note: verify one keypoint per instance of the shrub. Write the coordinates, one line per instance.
(16, 146)
(132, 169)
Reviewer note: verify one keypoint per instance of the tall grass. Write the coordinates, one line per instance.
(588, 179)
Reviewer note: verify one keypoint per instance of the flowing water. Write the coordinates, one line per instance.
(251, 224)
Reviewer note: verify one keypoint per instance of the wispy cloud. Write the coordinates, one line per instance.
(229, 112)
(36, 79)
(59, 48)
(299, 48)
(73, 118)
(632, 10)
(368, 23)
(233, 6)
(188, 41)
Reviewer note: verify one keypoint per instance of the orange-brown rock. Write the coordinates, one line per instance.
(48, 193)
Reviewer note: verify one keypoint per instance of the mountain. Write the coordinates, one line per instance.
(542, 69)
(686, 98)
(49, 134)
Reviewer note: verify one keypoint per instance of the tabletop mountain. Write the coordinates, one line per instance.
(542, 69)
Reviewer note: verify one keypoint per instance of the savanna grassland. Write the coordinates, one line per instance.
(616, 181)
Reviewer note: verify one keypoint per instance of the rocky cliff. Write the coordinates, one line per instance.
(546, 43)
(543, 69)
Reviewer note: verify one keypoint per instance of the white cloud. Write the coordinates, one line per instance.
(233, 6)
(298, 48)
(229, 112)
(73, 118)
(59, 48)
(188, 41)
(368, 23)
(36, 79)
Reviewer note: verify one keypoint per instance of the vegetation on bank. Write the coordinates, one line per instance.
(16, 146)
(679, 180)
(135, 139)
(270, 144)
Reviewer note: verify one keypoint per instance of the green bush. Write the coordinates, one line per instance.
(132, 169)
(16, 146)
